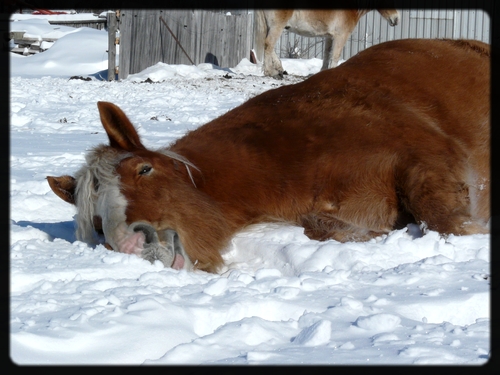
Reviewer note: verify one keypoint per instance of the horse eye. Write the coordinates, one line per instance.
(145, 169)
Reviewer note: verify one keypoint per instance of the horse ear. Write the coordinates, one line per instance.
(121, 132)
(64, 187)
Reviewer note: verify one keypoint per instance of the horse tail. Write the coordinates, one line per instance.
(260, 33)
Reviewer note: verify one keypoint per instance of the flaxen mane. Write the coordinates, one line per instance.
(98, 179)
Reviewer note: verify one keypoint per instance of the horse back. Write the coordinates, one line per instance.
(398, 103)
(390, 84)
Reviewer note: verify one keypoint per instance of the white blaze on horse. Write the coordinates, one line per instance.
(398, 133)
(335, 25)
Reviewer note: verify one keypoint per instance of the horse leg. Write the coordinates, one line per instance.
(333, 49)
(272, 63)
(361, 214)
(322, 227)
(438, 195)
(327, 55)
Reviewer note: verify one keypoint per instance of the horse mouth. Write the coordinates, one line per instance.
(164, 245)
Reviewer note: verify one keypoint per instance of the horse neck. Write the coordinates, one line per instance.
(361, 12)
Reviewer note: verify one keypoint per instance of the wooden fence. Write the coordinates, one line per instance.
(373, 29)
(98, 24)
(201, 36)
(182, 37)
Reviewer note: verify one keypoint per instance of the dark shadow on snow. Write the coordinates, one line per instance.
(103, 74)
(64, 230)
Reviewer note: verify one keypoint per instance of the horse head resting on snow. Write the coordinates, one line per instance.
(398, 133)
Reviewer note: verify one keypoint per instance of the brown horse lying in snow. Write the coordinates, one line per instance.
(398, 133)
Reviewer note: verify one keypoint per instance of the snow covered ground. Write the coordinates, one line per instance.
(282, 299)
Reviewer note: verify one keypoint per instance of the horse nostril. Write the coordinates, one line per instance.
(148, 230)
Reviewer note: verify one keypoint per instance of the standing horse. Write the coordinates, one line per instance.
(334, 25)
(399, 132)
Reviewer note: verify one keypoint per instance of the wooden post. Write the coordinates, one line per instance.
(112, 26)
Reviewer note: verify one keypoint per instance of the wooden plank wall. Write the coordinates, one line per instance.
(98, 24)
(206, 37)
(214, 37)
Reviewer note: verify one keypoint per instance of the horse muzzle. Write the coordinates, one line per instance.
(393, 21)
(164, 246)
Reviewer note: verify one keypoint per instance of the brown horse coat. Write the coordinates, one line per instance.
(399, 132)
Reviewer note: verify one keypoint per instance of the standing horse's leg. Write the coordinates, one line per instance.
(339, 31)
(333, 49)
(272, 63)
(327, 54)
(276, 22)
